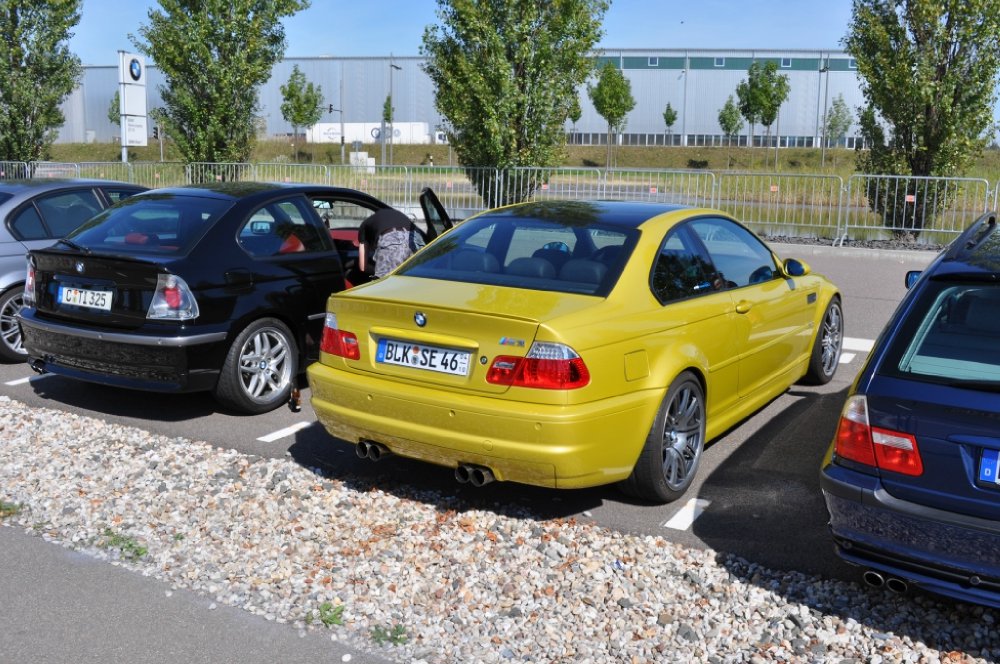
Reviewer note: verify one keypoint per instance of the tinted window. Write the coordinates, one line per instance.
(950, 335)
(115, 195)
(681, 269)
(64, 212)
(340, 214)
(282, 228)
(739, 256)
(27, 225)
(528, 252)
(153, 223)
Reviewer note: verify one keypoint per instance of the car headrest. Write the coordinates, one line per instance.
(472, 260)
(532, 267)
(583, 270)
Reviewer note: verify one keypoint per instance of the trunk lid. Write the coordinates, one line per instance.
(473, 321)
(112, 291)
(958, 437)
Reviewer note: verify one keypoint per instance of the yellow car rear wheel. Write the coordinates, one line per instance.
(670, 458)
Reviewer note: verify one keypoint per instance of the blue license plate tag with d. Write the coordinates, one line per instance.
(989, 467)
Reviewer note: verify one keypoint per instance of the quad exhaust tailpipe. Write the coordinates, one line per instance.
(367, 449)
(477, 476)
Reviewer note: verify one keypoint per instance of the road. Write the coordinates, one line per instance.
(756, 494)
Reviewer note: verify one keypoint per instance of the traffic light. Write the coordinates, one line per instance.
(156, 131)
(330, 109)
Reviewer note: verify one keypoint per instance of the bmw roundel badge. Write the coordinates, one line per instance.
(419, 319)
(135, 69)
(79, 267)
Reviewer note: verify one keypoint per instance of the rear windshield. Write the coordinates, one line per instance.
(528, 252)
(152, 223)
(952, 336)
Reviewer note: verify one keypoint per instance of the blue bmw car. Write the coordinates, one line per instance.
(912, 478)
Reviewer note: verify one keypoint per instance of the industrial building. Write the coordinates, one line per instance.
(695, 82)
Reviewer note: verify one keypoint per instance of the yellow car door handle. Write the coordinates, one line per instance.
(743, 306)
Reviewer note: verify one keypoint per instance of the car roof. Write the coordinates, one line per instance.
(626, 214)
(46, 184)
(976, 250)
(243, 190)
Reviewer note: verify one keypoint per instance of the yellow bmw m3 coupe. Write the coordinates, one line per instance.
(573, 344)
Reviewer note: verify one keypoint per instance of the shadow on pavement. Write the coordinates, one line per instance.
(123, 402)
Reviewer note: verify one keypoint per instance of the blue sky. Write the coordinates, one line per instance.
(352, 28)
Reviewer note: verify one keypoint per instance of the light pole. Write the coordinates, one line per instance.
(331, 109)
(392, 66)
(826, 98)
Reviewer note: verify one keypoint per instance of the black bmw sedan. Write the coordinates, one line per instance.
(217, 288)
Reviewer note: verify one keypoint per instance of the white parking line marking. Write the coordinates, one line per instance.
(28, 379)
(860, 345)
(686, 515)
(284, 433)
(845, 358)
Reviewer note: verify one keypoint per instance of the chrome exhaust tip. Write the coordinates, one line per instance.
(480, 476)
(462, 474)
(873, 578)
(897, 585)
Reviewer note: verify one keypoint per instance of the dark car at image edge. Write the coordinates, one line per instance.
(911, 477)
(219, 287)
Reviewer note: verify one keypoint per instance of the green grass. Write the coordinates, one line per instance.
(790, 160)
(128, 545)
(395, 635)
(9, 509)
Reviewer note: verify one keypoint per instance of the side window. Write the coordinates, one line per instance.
(27, 225)
(681, 269)
(739, 256)
(340, 214)
(115, 195)
(66, 211)
(282, 228)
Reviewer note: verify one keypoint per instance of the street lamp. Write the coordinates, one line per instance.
(826, 97)
(392, 66)
(331, 109)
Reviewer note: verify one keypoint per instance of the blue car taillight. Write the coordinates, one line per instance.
(858, 441)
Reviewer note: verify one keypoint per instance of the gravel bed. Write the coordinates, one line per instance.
(421, 579)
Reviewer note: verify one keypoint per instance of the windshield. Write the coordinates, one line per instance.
(951, 336)
(152, 223)
(528, 252)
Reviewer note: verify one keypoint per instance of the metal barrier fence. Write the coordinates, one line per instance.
(782, 204)
(13, 170)
(933, 210)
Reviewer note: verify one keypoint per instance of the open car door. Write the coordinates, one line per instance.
(435, 215)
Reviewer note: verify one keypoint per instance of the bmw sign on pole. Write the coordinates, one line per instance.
(132, 95)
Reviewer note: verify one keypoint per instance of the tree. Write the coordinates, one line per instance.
(669, 118)
(730, 121)
(302, 104)
(37, 72)
(115, 109)
(928, 70)
(214, 55)
(505, 74)
(762, 94)
(612, 98)
(836, 122)
(575, 112)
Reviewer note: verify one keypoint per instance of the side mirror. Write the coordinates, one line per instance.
(911, 278)
(795, 268)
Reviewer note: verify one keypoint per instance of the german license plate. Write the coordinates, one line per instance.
(82, 297)
(989, 465)
(421, 356)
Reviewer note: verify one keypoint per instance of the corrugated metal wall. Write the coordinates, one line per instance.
(695, 83)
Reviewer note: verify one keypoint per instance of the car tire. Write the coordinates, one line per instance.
(260, 368)
(829, 342)
(11, 341)
(670, 457)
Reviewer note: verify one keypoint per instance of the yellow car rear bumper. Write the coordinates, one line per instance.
(570, 446)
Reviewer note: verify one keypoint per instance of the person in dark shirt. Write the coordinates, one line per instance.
(386, 239)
